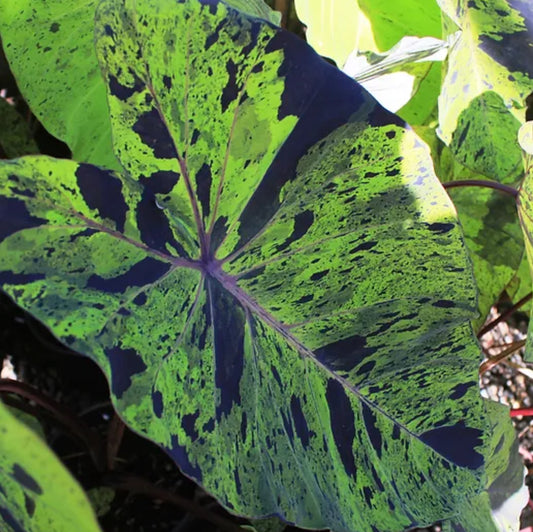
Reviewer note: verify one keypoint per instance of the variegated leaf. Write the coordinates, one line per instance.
(275, 283)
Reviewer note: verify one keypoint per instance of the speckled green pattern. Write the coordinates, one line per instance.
(481, 107)
(275, 284)
(489, 68)
(37, 494)
(52, 41)
(15, 135)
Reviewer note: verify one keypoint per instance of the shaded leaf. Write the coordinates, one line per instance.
(280, 305)
(37, 494)
(15, 135)
(70, 97)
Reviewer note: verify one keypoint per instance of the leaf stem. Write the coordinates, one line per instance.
(504, 315)
(115, 433)
(63, 415)
(482, 183)
(496, 359)
(135, 484)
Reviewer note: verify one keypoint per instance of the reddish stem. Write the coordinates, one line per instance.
(481, 183)
(504, 315)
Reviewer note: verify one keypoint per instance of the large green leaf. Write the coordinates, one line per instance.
(481, 108)
(37, 494)
(275, 283)
(52, 41)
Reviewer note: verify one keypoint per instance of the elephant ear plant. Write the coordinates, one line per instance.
(268, 272)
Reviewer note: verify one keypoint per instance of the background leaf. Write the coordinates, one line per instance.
(70, 98)
(281, 306)
(341, 29)
(336, 29)
(37, 494)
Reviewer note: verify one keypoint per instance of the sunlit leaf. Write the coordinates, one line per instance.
(275, 283)
(37, 494)
(390, 77)
(489, 76)
(336, 29)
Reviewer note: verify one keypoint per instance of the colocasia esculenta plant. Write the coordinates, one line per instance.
(261, 259)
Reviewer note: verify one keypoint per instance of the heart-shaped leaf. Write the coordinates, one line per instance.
(275, 283)
(70, 99)
(36, 492)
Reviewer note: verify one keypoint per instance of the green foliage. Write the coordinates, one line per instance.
(481, 107)
(37, 494)
(261, 259)
(15, 135)
(69, 98)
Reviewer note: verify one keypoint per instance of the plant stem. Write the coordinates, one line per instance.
(139, 485)
(61, 414)
(283, 7)
(504, 315)
(114, 439)
(496, 359)
(481, 183)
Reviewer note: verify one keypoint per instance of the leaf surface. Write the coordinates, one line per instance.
(52, 41)
(37, 493)
(275, 283)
